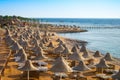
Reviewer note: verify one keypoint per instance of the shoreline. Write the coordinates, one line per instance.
(80, 42)
(69, 43)
(67, 31)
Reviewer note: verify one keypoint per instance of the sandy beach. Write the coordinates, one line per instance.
(11, 71)
(59, 40)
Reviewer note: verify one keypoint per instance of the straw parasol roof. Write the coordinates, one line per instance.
(102, 64)
(28, 66)
(58, 40)
(21, 36)
(81, 67)
(83, 48)
(7, 31)
(77, 46)
(15, 46)
(59, 49)
(50, 45)
(86, 54)
(66, 51)
(74, 49)
(10, 41)
(97, 54)
(76, 57)
(15, 34)
(116, 76)
(46, 39)
(23, 57)
(108, 57)
(34, 41)
(41, 45)
(43, 41)
(25, 44)
(38, 37)
(46, 33)
(20, 52)
(26, 36)
(59, 59)
(21, 41)
(38, 32)
(36, 47)
(8, 38)
(40, 56)
(61, 66)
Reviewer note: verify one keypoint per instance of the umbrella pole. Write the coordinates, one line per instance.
(28, 75)
(60, 76)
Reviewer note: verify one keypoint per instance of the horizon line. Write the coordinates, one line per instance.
(69, 17)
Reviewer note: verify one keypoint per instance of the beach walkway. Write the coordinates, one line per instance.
(4, 52)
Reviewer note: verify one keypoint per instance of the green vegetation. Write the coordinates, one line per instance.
(17, 20)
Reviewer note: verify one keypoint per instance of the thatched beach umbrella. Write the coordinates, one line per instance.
(10, 41)
(43, 41)
(101, 65)
(76, 56)
(77, 46)
(34, 41)
(81, 67)
(58, 40)
(45, 33)
(20, 41)
(38, 50)
(59, 49)
(86, 54)
(28, 67)
(74, 49)
(25, 44)
(116, 76)
(83, 48)
(7, 31)
(66, 51)
(38, 37)
(108, 57)
(41, 45)
(59, 59)
(61, 66)
(35, 48)
(21, 36)
(15, 46)
(8, 37)
(15, 35)
(51, 45)
(39, 55)
(46, 39)
(38, 32)
(19, 53)
(22, 57)
(97, 54)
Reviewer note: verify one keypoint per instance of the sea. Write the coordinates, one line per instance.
(102, 34)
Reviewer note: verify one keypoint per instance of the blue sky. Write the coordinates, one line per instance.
(61, 8)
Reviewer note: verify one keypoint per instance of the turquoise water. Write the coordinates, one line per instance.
(107, 40)
(104, 40)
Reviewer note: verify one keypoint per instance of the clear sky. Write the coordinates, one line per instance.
(61, 8)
